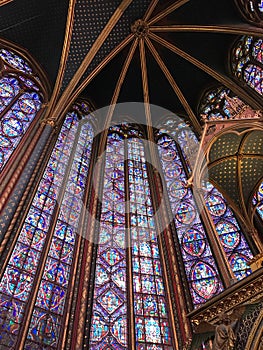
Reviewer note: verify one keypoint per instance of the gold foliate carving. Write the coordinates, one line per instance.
(252, 291)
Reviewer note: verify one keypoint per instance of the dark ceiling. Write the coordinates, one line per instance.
(39, 26)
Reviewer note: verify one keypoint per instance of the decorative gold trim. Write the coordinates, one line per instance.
(63, 59)
(150, 10)
(233, 29)
(167, 11)
(212, 131)
(98, 69)
(119, 84)
(247, 290)
(174, 86)
(4, 2)
(140, 28)
(62, 102)
(219, 77)
(257, 262)
(150, 137)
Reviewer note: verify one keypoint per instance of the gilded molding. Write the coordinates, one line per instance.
(174, 86)
(214, 74)
(4, 2)
(233, 29)
(62, 102)
(63, 59)
(167, 11)
(241, 292)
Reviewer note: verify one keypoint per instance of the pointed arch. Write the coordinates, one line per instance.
(247, 63)
(24, 91)
(129, 297)
(35, 279)
(252, 10)
(231, 239)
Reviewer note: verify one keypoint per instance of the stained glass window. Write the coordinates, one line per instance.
(247, 62)
(50, 230)
(213, 104)
(252, 10)
(126, 164)
(191, 233)
(231, 237)
(20, 101)
(200, 266)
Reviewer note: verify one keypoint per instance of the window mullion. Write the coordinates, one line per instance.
(129, 281)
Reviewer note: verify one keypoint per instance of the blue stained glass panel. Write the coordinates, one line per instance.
(58, 268)
(15, 61)
(22, 265)
(227, 227)
(147, 272)
(110, 281)
(108, 323)
(247, 60)
(16, 122)
(195, 248)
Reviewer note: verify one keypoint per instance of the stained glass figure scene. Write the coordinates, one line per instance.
(231, 237)
(50, 229)
(176, 167)
(214, 105)
(125, 164)
(200, 265)
(20, 101)
(247, 62)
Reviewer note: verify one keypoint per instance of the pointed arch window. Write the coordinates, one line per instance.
(21, 96)
(213, 105)
(196, 250)
(35, 283)
(252, 10)
(200, 265)
(127, 222)
(247, 62)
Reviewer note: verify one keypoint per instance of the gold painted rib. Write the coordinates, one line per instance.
(214, 74)
(119, 84)
(174, 86)
(150, 10)
(167, 11)
(63, 59)
(226, 29)
(90, 55)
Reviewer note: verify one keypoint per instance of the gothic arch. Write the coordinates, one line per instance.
(24, 93)
(251, 10)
